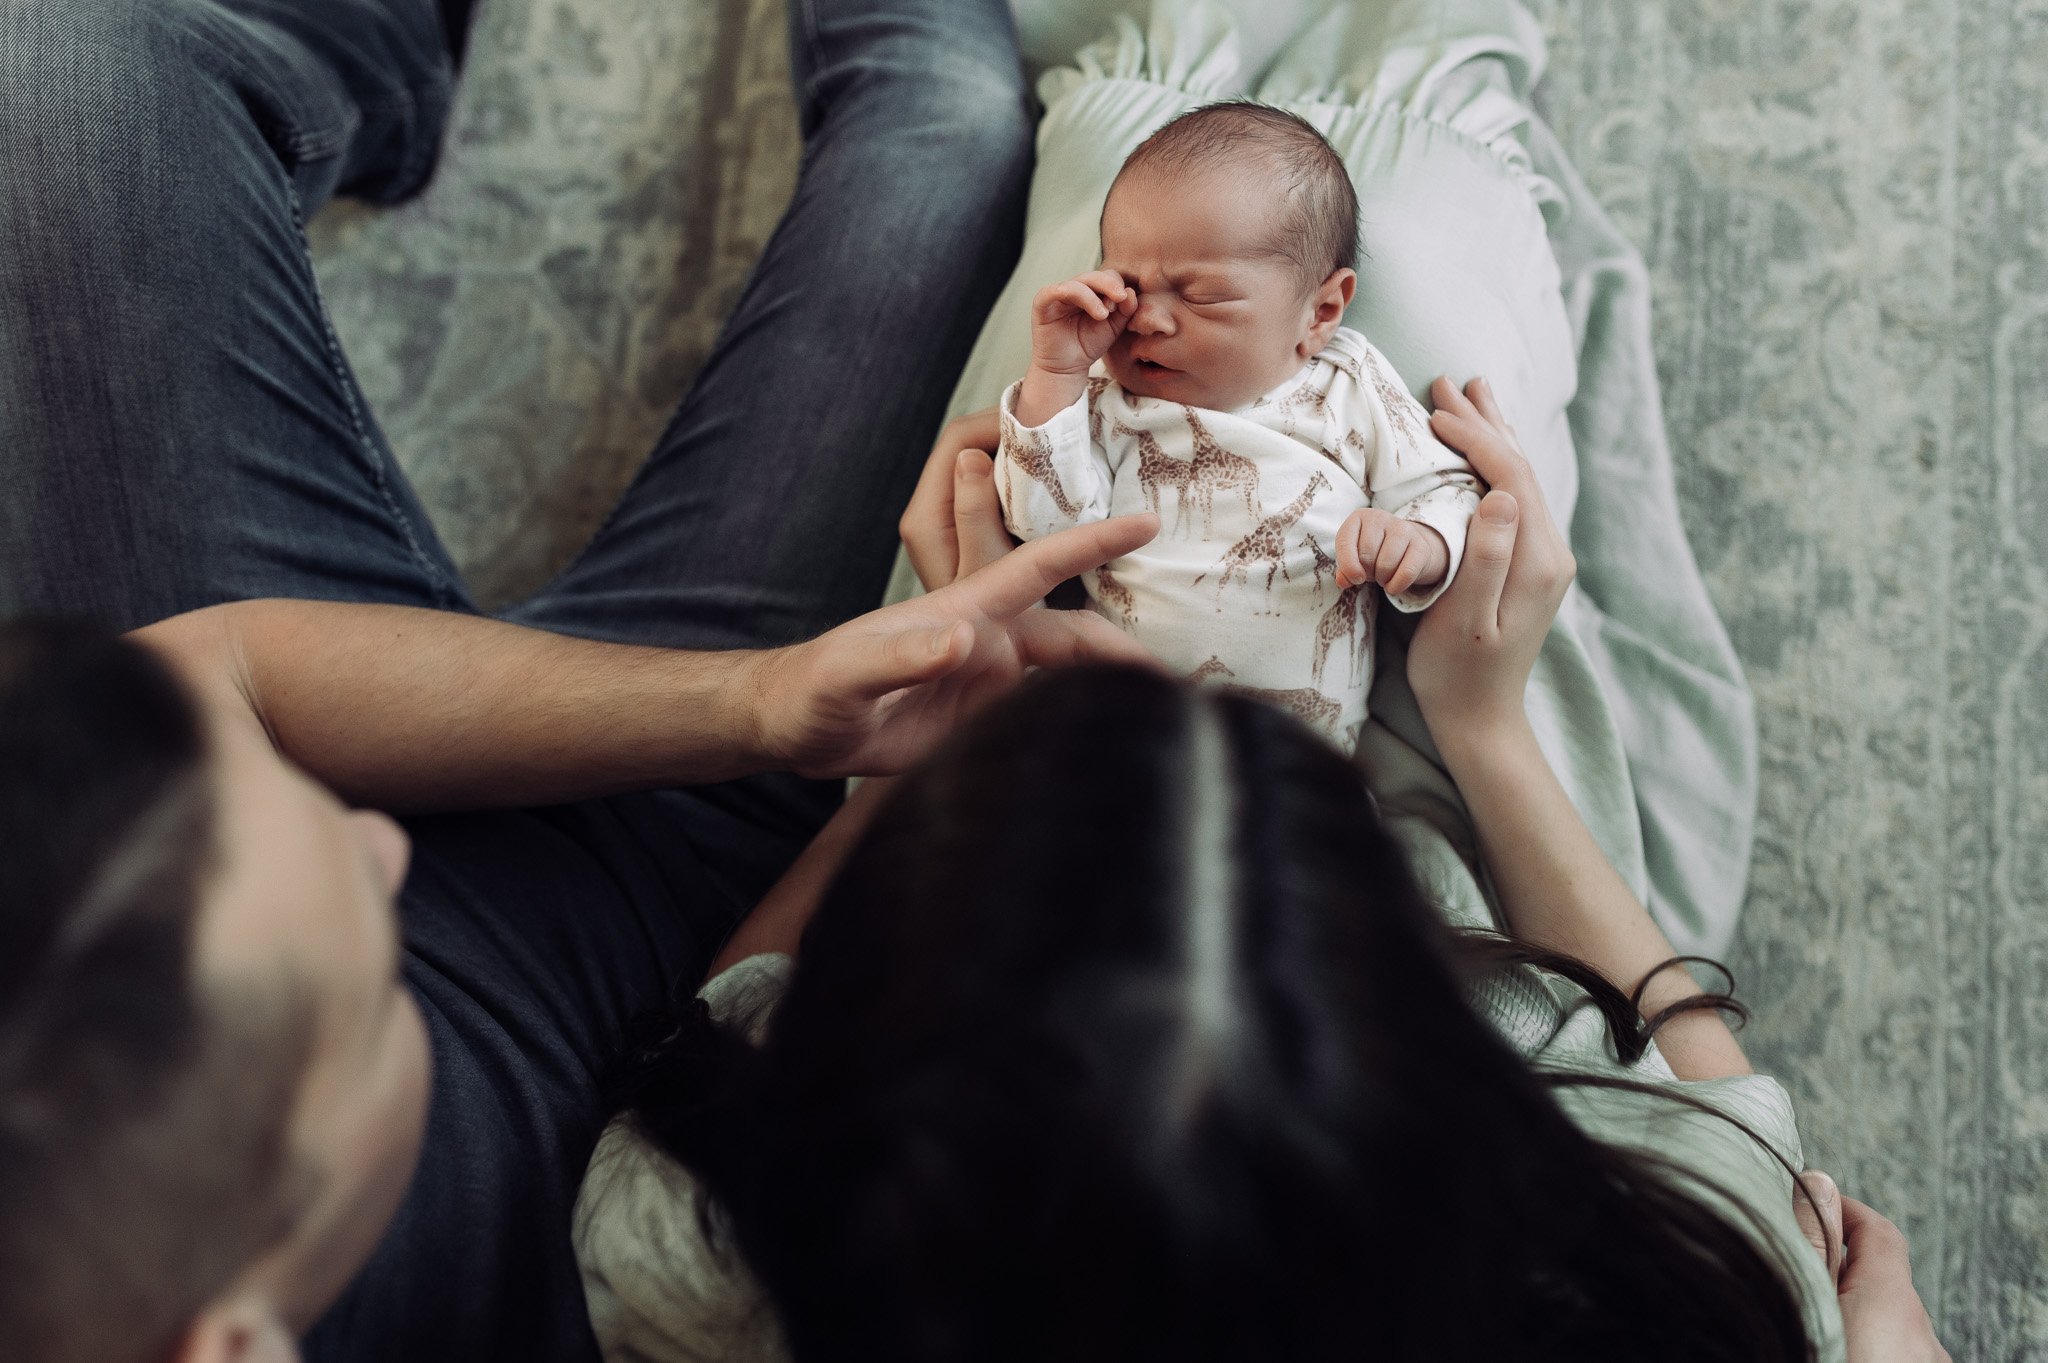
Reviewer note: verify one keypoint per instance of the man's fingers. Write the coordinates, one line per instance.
(1021, 579)
(978, 532)
(1063, 638)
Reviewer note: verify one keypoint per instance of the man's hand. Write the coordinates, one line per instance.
(1074, 323)
(872, 696)
(1378, 546)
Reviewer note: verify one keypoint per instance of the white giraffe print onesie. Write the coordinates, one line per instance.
(1239, 586)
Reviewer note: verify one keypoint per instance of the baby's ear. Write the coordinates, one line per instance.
(1327, 306)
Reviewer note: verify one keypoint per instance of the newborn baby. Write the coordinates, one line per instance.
(1201, 372)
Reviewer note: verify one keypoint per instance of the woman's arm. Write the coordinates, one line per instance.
(1469, 665)
(777, 923)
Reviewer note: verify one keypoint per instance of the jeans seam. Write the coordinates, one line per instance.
(338, 367)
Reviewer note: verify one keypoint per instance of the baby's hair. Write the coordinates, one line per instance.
(1319, 230)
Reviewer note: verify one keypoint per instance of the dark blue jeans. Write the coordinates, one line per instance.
(178, 427)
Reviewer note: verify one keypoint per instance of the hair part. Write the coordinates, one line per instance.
(1317, 214)
(144, 1114)
(967, 1133)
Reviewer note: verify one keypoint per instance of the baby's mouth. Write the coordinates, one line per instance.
(1154, 369)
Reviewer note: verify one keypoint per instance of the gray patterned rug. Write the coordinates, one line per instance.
(1844, 205)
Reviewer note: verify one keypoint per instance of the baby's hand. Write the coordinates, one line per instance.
(1378, 546)
(1072, 324)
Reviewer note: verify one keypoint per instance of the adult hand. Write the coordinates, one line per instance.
(1883, 1320)
(930, 528)
(1470, 658)
(872, 696)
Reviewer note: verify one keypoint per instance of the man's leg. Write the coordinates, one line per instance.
(179, 424)
(767, 511)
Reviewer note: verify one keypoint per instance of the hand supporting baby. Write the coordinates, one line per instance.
(1399, 554)
(1073, 325)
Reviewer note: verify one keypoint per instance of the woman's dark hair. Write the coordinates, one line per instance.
(143, 1155)
(1126, 1032)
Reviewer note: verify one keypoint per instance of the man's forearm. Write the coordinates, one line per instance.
(1558, 890)
(412, 710)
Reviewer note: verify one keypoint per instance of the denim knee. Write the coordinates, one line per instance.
(952, 90)
(70, 65)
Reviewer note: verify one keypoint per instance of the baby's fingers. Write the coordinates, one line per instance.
(1358, 548)
(1350, 571)
(1399, 561)
(1107, 284)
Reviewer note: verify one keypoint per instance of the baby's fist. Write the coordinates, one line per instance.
(1074, 322)
(1400, 555)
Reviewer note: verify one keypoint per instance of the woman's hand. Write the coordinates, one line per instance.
(930, 527)
(1883, 1320)
(1470, 658)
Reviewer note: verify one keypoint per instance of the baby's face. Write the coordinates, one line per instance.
(1221, 318)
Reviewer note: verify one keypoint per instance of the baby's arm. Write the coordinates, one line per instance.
(1049, 473)
(1412, 538)
(1052, 475)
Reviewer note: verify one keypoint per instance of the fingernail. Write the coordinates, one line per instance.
(1500, 510)
(942, 642)
(1822, 1187)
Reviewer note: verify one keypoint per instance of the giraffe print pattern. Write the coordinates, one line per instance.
(1156, 470)
(1216, 469)
(1097, 385)
(1402, 410)
(1350, 618)
(1114, 595)
(1267, 542)
(1323, 562)
(1030, 453)
(1305, 703)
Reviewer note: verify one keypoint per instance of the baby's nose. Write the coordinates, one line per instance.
(1152, 317)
